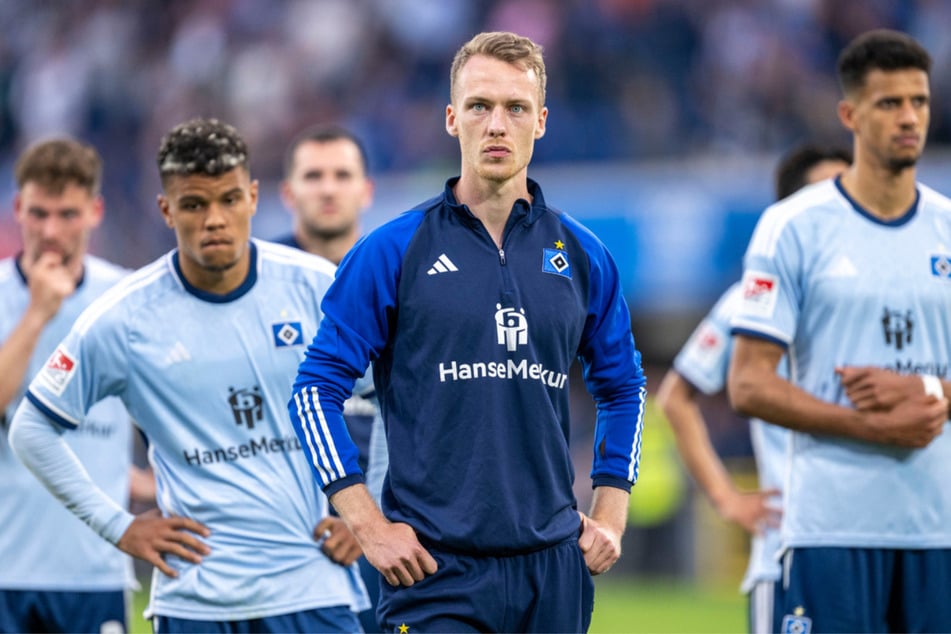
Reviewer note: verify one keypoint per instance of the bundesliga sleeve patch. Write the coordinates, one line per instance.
(58, 371)
(706, 346)
(288, 333)
(760, 291)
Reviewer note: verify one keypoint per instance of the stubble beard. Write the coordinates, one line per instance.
(898, 165)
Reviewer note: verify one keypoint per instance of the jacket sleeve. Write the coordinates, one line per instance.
(357, 313)
(612, 372)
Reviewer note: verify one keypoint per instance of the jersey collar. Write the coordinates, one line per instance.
(215, 298)
(26, 282)
(522, 210)
(895, 222)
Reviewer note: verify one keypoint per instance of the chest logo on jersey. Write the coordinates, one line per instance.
(511, 327)
(897, 327)
(442, 265)
(287, 334)
(941, 266)
(760, 291)
(555, 261)
(58, 371)
(247, 405)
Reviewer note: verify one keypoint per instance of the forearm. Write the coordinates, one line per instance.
(39, 445)
(15, 354)
(697, 451)
(358, 509)
(774, 399)
(609, 508)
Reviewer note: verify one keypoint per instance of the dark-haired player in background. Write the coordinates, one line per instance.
(326, 188)
(201, 346)
(851, 280)
(701, 367)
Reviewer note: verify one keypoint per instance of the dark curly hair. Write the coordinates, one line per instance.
(201, 146)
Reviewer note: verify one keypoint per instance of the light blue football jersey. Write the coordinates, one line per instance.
(206, 377)
(44, 546)
(839, 287)
(704, 361)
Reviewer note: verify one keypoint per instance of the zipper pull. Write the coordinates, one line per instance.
(502, 256)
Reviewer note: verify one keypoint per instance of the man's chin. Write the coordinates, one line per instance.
(900, 164)
(220, 267)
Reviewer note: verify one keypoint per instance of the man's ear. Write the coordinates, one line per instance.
(451, 126)
(164, 207)
(542, 120)
(846, 112)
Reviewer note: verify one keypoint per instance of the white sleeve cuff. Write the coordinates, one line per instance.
(932, 385)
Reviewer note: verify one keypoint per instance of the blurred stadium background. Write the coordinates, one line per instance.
(666, 119)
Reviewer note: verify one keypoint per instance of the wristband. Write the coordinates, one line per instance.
(932, 385)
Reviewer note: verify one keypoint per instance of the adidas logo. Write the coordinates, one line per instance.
(177, 354)
(442, 265)
(842, 267)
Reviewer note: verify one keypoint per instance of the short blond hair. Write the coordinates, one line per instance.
(507, 47)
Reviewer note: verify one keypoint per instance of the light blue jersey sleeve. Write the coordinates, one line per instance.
(705, 358)
(41, 447)
(770, 294)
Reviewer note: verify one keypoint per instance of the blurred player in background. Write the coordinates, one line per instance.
(851, 279)
(57, 575)
(701, 367)
(201, 346)
(327, 188)
(472, 307)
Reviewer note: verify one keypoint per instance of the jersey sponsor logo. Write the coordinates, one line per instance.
(247, 405)
(510, 369)
(442, 265)
(941, 266)
(262, 446)
(59, 370)
(910, 366)
(555, 261)
(760, 291)
(287, 334)
(897, 327)
(511, 327)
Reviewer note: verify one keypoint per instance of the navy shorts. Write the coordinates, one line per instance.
(866, 590)
(549, 590)
(46, 611)
(334, 619)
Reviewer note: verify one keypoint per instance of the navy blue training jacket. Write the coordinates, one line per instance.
(471, 347)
